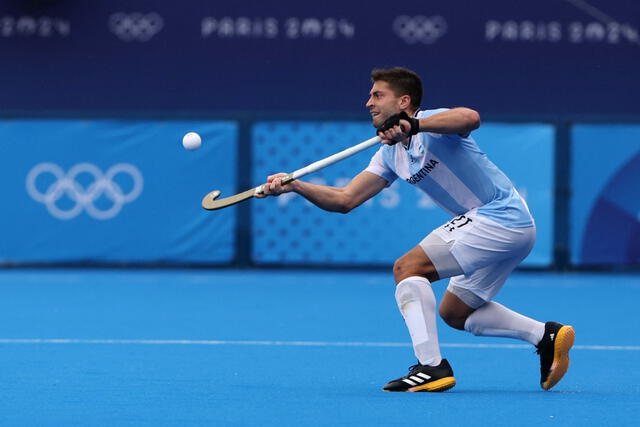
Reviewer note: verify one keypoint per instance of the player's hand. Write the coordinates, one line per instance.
(274, 187)
(398, 133)
(398, 128)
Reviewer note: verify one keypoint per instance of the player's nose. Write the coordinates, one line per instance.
(369, 102)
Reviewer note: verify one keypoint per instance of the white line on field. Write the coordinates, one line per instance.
(291, 343)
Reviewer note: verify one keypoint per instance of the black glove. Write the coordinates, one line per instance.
(395, 121)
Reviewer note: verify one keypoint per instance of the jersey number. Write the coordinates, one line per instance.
(458, 222)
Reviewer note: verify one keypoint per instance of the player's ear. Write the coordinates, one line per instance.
(405, 101)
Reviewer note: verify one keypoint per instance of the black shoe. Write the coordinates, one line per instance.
(553, 349)
(424, 378)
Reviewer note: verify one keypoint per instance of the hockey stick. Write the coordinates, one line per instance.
(211, 202)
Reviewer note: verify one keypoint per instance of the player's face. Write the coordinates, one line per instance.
(382, 103)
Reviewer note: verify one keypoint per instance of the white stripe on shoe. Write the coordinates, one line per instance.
(408, 381)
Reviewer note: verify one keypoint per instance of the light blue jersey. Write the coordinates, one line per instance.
(455, 173)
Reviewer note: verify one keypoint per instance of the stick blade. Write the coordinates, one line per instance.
(211, 202)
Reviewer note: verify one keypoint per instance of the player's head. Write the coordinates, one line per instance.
(394, 90)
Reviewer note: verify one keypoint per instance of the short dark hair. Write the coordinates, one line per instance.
(402, 81)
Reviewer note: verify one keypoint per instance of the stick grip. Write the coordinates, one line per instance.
(285, 180)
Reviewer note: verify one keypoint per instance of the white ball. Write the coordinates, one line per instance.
(191, 141)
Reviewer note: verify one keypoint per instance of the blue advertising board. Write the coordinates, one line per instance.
(290, 230)
(120, 191)
(497, 56)
(605, 207)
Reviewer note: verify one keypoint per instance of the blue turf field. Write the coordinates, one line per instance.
(263, 348)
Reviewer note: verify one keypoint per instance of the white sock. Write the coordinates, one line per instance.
(417, 303)
(496, 320)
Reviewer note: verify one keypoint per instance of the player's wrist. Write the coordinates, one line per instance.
(294, 186)
(395, 120)
(415, 126)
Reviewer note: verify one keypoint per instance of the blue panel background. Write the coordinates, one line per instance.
(605, 208)
(164, 224)
(289, 229)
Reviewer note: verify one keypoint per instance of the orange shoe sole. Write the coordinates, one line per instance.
(442, 384)
(563, 343)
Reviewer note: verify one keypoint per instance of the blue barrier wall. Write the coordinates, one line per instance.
(605, 208)
(497, 56)
(106, 191)
(114, 191)
(291, 230)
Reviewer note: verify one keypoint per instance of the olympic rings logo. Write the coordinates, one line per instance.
(135, 26)
(413, 29)
(83, 198)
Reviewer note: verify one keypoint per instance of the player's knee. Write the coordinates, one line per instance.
(413, 264)
(451, 318)
(402, 269)
(397, 270)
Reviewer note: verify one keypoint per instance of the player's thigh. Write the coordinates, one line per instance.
(483, 284)
(431, 258)
(414, 263)
(454, 310)
(477, 242)
(439, 253)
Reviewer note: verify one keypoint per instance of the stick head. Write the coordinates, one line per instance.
(211, 202)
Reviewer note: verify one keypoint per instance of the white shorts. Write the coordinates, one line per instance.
(485, 251)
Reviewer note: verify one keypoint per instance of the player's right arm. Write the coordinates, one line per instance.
(361, 188)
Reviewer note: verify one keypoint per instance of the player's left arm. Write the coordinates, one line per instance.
(460, 121)
(456, 121)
